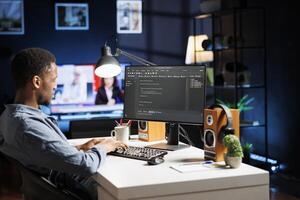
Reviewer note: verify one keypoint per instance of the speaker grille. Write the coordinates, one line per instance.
(143, 125)
(209, 138)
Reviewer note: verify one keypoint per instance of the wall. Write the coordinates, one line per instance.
(166, 26)
(283, 81)
(77, 46)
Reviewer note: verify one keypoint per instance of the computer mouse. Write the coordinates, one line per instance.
(155, 161)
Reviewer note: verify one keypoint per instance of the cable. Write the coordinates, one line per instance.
(184, 134)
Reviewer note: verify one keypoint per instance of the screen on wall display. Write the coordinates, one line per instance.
(74, 85)
(78, 87)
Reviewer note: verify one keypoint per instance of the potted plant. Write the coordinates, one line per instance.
(242, 104)
(247, 148)
(234, 154)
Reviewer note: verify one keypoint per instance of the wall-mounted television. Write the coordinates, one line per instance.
(77, 87)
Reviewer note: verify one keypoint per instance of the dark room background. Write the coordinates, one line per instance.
(166, 27)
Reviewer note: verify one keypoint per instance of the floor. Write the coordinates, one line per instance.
(282, 187)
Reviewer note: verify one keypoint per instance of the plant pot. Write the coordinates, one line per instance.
(233, 162)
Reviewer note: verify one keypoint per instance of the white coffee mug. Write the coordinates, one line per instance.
(121, 133)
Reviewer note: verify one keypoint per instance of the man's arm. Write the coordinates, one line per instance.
(43, 147)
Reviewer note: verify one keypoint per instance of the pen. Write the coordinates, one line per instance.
(198, 163)
(121, 122)
(128, 123)
(117, 123)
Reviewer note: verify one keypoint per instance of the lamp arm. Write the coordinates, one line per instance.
(133, 57)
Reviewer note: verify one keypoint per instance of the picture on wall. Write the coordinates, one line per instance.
(129, 16)
(11, 17)
(71, 16)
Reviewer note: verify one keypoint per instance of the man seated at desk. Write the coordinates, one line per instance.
(34, 139)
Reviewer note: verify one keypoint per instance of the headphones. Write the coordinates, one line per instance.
(228, 128)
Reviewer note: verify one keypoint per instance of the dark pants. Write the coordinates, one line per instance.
(84, 188)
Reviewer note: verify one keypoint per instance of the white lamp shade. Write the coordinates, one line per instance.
(107, 66)
(195, 47)
(108, 70)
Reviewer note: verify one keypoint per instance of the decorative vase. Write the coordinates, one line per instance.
(233, 162)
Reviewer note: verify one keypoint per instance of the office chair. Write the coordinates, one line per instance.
(36, 187)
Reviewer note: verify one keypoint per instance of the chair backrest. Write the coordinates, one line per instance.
(36, 187)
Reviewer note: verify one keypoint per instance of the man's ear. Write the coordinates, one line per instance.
(36, 82)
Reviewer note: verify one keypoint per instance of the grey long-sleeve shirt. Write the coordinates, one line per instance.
(34, 139)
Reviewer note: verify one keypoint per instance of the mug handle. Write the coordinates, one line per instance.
(113, 133)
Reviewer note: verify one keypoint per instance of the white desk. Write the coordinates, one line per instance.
(122, 178)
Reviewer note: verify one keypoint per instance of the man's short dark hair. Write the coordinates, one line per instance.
(30, 62)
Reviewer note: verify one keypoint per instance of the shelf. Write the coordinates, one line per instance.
(262, 162)
(250, 124)
(226, 12)
(241, 48)
(237, 36)
(234, 49)
(258, 86)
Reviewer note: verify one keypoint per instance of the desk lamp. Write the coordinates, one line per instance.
(108, 65)
(195, 53)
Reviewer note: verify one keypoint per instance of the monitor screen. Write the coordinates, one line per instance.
(174, 94)
(78, 87)
(165, 93)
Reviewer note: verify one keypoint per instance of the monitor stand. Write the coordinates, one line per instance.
(172, 142)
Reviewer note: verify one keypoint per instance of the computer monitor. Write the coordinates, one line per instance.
(174, 94)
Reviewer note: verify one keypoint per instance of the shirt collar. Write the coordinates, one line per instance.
(25, 109)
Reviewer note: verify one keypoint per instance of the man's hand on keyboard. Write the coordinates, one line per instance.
(111, 144)
(89, 144)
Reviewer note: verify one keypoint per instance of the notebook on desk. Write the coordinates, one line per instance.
(196, 166)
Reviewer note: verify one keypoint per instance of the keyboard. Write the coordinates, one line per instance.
(139, 153)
